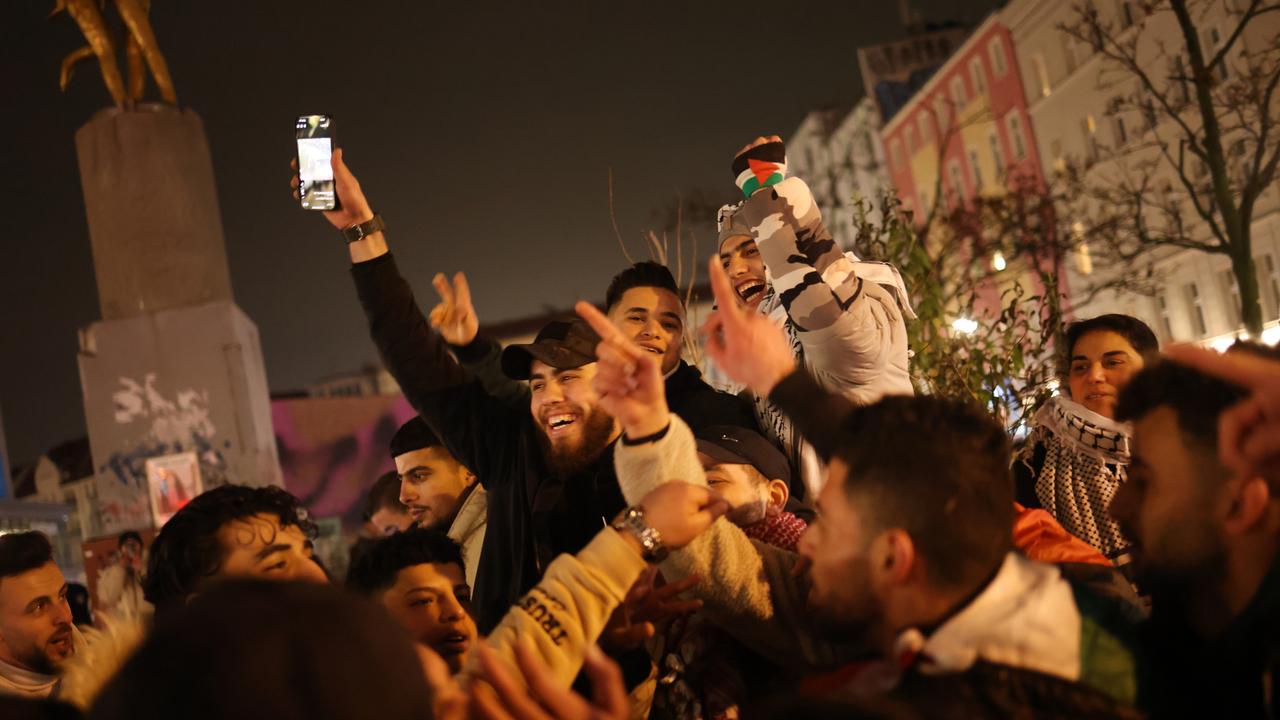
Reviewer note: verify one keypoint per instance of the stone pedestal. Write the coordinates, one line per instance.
(174, 366)
(184, 380)
(152, 207)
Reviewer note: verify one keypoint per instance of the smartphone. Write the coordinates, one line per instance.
(315, 170)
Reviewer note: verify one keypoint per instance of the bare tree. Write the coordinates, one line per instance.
(1194, 145)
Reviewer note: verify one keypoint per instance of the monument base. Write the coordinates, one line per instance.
(186, 380)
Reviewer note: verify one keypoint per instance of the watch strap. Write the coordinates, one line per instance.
(362, 230)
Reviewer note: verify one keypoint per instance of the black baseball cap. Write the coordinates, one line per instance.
(739, 446)
(562, 344)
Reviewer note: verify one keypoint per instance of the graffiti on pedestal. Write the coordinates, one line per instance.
(155, 425)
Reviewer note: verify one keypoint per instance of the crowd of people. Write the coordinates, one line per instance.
(583, 527)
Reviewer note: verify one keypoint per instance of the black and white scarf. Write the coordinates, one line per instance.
(1086, 456)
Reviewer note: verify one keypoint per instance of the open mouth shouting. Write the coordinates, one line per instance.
(750, 289)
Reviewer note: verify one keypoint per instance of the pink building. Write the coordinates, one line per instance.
(968, 126)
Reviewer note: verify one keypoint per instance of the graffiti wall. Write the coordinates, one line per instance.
(181, 381)
(332, 449)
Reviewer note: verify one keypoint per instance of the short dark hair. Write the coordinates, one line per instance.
(385, 493)
(642, 274)
(413, 435)
(939, 469)
(1136, 332)
(375, 566)
(1195, 398)
(257, 648)
(128, 535)
(23, 552)
(186, 551)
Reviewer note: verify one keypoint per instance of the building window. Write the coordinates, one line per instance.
(1042, 74)
(976, 168)
(911, 140)
(1119, 130)
(926, 128)
(1084, 258)
(1233, 296)
(957, 183)
(1272, 283)
(1197, 310)
(996, 51)
(1016, 136)
(957, 92)
(1212, 44)
(1089, 126)
(1126, 14)
(1059, 160)
(1165, 323)
(1178, 77)
(925, 207)
(942, 114)
(895, 152)
(997, 156)
(978, 77)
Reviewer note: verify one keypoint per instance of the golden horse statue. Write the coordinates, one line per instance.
(141, 47)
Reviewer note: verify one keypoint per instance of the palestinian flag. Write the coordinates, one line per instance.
(759, 167)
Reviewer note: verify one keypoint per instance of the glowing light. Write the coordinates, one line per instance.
(997, 261)
(1221, 344)
(965, 326)
(1271, 335)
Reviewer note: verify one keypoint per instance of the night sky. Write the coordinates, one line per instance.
(483, 132)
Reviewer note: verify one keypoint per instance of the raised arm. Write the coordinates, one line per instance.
(852, 330)
(451, 401)
(748, 588)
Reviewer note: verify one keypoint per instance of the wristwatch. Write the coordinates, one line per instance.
(632, 521)
(364, 229)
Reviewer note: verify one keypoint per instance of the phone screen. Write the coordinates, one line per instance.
(315, 150)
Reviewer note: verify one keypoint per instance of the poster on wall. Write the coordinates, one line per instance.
(172, 481)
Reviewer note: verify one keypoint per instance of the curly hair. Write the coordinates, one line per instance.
(375, 565)
(186, 551)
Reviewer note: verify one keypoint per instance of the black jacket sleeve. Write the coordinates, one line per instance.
(483, 358)
(481, 432)
(816, 412)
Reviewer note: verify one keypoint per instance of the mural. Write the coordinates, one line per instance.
(332, 449)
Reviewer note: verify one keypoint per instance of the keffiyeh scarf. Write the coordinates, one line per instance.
(1086, 456)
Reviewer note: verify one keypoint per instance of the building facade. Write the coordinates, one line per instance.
(839, 154)
(1072, 94)
(966, 132)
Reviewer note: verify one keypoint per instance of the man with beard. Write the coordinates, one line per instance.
(547, 469)
(642, 301)
(843, 317)
(909, 565)
(1206, 534)
(36, 633)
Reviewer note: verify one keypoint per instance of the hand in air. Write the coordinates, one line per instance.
(646, 607)
(498, 696)
(1249, 431)
(353, 209)
(762, 140)
(745, 344)
(680, 511)
(454, 317)
(628, 379)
